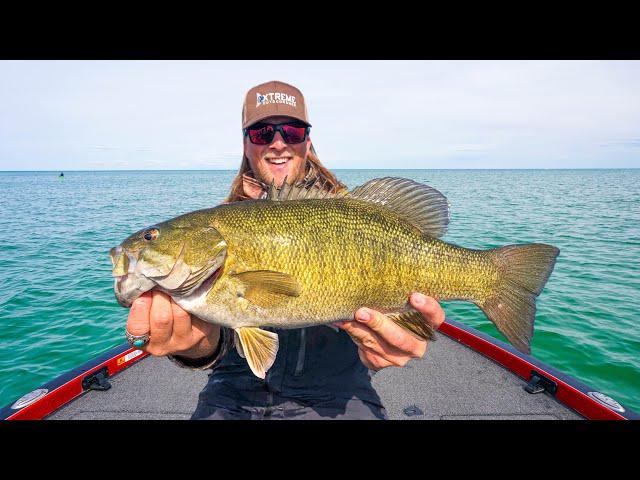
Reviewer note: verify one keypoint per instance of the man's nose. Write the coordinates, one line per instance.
(278, 142)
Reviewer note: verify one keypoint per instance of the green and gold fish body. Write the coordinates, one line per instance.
(344, 254)
(304, 257)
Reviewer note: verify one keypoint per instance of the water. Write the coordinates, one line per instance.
(57, 308)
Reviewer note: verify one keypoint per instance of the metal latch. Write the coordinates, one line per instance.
(539, 383)
(412, 410)
(97, 380)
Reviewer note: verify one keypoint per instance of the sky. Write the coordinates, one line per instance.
(154, 115)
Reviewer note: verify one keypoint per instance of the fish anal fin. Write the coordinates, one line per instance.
(259, 347)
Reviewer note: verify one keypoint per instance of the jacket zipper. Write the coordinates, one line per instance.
(301, 352)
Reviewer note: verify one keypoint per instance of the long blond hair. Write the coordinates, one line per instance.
(314, 172)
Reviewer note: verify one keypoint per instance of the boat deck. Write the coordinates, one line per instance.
(452, 381)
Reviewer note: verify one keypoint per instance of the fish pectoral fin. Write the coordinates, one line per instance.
(270, 281)
(267, 288)
(413, 321)
(259, 347)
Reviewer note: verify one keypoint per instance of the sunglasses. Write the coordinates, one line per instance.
(263, 133)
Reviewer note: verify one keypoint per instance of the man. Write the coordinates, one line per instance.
(318, 372)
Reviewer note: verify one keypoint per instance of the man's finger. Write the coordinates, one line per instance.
(367, 339)
(393, 334)
(429, 308)
(363, 336)
(181, 322)
(202, 328)
(160, 319)
(138, 320)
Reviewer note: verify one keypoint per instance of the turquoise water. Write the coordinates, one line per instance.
(57, 308)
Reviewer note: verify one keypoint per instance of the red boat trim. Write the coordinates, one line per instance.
(68, 386)
(570, 392)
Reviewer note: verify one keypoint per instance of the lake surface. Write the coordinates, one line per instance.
(57, 308)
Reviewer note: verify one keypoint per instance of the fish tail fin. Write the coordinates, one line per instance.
(523, 273)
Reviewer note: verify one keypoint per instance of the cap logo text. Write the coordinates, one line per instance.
(275, 97)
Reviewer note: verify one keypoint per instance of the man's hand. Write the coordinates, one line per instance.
(172, 330)
(382, 343)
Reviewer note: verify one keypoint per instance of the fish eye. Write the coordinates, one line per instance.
(151, 234)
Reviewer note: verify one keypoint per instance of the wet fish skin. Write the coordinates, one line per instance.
(343, 253)
(311, 261)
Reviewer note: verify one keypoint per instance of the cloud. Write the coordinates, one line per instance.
(105, 147)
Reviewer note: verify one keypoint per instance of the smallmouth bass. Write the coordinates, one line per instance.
(306, 257)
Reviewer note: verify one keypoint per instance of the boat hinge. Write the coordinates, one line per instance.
(97, 380)
(539, 383)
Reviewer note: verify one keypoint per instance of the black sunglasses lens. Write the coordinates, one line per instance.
(293, 133)
(261, 135)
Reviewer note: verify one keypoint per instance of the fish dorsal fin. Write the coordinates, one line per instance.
(315, 189)
(259, 347)
(419, 204)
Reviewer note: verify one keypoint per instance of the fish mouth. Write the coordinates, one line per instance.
(130, 286)
(130, 281)
(123, 262)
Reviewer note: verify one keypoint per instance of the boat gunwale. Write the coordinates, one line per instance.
(68, 386)
(571, 393)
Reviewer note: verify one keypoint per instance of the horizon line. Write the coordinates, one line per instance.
(332, 169)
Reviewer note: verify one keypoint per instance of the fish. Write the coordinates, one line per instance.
(306, 256)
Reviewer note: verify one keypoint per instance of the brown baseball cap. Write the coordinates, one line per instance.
(273, 99)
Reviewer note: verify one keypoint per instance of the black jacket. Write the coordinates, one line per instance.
(317, 374)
